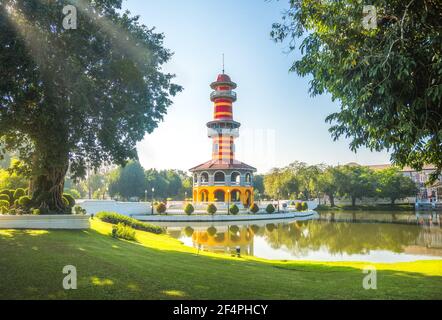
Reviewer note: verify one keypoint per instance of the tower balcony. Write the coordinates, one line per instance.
(215, 132)
(220, 94)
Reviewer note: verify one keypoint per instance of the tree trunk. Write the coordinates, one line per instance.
(46, 189)
(353, 201)
(392, 201)
(332, 200)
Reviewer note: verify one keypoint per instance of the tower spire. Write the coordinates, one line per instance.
(223, 63)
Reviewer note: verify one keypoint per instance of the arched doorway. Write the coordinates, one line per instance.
(235, 196)
(204, 196)
(220, 196)
(220, 177)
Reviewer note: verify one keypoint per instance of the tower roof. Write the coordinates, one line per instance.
(223, 79)
(220, 165)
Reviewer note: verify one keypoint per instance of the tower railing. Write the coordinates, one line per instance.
(223, 94)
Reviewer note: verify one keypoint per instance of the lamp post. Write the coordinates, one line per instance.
(185, 196)
(145, 195)
(228, 201)
(151, 204)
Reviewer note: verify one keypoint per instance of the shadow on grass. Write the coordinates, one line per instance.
(114, 269)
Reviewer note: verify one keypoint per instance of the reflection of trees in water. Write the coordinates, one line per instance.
(341, 237)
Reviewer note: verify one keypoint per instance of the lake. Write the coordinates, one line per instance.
(332, 236)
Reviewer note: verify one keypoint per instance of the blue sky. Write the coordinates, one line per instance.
(281, 123)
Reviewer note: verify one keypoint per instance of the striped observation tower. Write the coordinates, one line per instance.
(223, 179)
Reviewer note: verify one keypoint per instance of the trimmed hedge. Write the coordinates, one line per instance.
(70, 199)
(160, 208)
(270, 208)
(18, 193)
(115, 218)
(211, 209)
(254, 208)
(304, 206)
(234, 209)
(4, 197)
(123, 231)
(189, 209)
(24, 201)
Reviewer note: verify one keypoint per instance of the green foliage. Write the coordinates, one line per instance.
(19, 192)
(211, 209)
(36, 212)
(387, 79)
(188, 231)
(270, 208)
(304, 206)
(189, 209)
(298, 206)
(211, 231)
(4, 209)
(4, 203)
(4, 197)
(74, 193)
(70, 199)
(76, 99)
(356, 182)
(254, 208)
(394, 185)
(24, 201)
(123, 231)
(234, 229)
(234, 209)
(114, 218)
(79, 210)
(160, 208)
(128, 181)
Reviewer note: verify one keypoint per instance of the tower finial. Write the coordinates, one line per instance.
(223, 63)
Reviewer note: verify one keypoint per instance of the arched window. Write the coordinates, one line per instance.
(235, 177)
(204, 178)
(195, 178)
(220, 177)
(248, 178)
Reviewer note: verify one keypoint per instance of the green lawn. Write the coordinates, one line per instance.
(160, 267)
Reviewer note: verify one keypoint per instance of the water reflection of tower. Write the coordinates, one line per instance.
(225, 240)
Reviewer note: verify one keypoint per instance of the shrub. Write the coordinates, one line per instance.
(189, 209)
(298, 206)
(36, 212)
(79, 210)
(304, 206)
(4, 203)
(254, 208)
(234, 209)
(211, 231)
(270, 208)
(70, 199)
(20, 192)
(160, 208)
(188, 231)
(234, 229)
(24, 201)
(115, 218)
(270, 227)
(211, 209)
(4, 209)
(4, 197)
(65, 202)
(74, 193)
(123, 231)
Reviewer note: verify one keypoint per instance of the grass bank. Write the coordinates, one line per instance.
(160, 267)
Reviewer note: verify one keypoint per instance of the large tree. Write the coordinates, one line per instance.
(388, 79)
(77, 98)
(394, 185)
(356, 182)
(127, 181)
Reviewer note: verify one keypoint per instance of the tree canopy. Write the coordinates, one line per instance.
(79, 98)
(387, 79)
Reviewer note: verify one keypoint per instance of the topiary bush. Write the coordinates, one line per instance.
(36, 212)
(188, 231)
(70, 199)
(270, 208)
(4, 197)
(211, 209)
(160, 208)
(24, 201)
(304, 206)
(211, 231)
(19, 192)
(254, 208)
(189, 209)
(115, 218)
(79, 210)
(234, 229)
(234, 209)
(123, 231)
(4, 206)
(298, 206)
